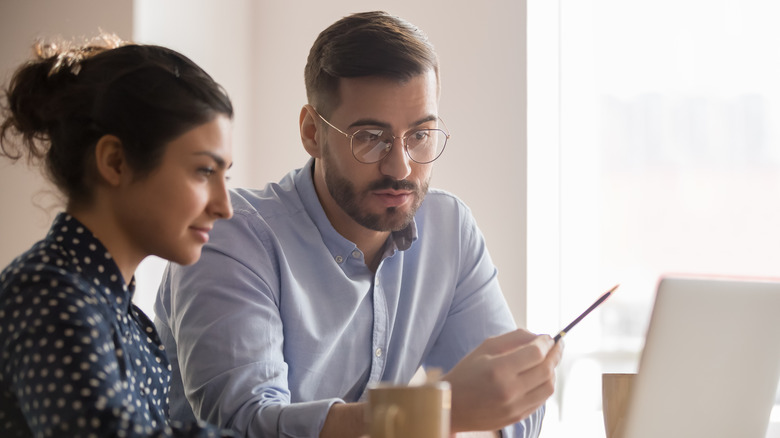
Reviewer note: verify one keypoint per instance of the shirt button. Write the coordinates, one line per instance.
(356, 254)
(339, 259)
(378, 352)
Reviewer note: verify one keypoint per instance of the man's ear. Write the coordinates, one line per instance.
(110, 160)
(309, 123)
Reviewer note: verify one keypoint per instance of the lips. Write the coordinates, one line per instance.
(201, 233)
(392, 198)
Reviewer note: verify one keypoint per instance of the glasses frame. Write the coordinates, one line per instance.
(392, 145)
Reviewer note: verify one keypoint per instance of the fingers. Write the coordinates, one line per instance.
(534, 365)
(526, 356)
(557, 352)
(535, 385)
(504, 380)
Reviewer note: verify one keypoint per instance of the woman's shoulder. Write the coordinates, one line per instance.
(44, 273)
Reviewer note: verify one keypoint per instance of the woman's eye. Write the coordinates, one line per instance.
(207, 171)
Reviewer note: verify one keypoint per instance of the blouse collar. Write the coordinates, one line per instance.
(88, 257)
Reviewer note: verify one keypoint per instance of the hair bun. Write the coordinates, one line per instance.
(69, 56)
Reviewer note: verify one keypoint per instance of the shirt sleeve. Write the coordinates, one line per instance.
(224, 315)
(529, 427)
(478, 311)
(59, 362)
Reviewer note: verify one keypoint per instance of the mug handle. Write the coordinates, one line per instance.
(384, 421)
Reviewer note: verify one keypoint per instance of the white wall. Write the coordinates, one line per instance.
(28, 204)
(257, 50)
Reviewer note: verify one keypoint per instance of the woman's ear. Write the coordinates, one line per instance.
(110, 160)
(309, 122)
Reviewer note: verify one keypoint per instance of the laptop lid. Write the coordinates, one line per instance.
(711, 360)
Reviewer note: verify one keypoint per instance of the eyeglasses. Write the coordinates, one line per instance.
(423, 146)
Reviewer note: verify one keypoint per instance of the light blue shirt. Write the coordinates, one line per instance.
(281, 318)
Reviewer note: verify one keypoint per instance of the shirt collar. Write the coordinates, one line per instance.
(90, 259)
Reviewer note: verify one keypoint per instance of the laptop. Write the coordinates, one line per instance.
(711, 360)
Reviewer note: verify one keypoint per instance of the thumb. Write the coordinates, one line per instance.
(507, 342)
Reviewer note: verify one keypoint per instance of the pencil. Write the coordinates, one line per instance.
(601, 299)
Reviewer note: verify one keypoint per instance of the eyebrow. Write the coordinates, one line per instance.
(385, 125)
(219, 160)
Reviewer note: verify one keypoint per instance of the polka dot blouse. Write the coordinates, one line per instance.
(78, 358)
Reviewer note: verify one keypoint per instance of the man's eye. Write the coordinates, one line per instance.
(368, 136)
(421, 135)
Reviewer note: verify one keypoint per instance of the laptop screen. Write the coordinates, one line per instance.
(711, 360)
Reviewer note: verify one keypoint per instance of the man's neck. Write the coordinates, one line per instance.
(368, 241)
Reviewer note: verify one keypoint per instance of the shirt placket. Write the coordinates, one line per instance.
(381, 317)
(379, 342)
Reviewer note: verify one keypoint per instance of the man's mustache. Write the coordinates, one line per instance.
(393, 184)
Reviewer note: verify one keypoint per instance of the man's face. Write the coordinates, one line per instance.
(385, 195)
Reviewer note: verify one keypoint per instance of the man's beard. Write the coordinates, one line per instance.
(343, 192)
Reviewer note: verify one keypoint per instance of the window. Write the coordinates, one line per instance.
(653, 148)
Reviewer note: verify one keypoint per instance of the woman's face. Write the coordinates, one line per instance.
(170, 212)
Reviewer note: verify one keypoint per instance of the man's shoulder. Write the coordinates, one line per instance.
(264, 213)
(275, 199)
(443, 214)
(440, 200)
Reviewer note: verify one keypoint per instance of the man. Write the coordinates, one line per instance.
(350, 271)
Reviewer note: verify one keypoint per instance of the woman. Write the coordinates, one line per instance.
(137, 138)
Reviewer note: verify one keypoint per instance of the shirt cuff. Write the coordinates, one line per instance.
(531, 427)
(306, 418)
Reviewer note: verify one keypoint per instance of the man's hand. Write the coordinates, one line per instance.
(503, 381)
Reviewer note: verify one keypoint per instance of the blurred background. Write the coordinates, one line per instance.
(653, 149)
(596, 141)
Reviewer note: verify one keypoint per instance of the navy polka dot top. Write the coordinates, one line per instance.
(78, 358)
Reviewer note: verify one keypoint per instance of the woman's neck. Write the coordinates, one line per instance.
(106, 229)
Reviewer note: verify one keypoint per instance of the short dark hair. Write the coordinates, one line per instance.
(61, 103)
(365, 44)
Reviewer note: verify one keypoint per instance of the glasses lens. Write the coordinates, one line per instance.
(371, 145)
(426, 145)
(423, 146)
